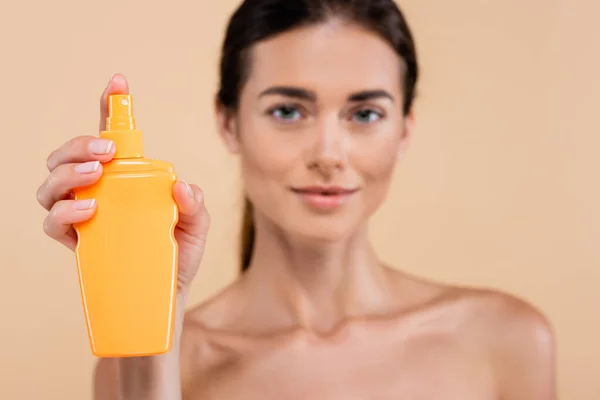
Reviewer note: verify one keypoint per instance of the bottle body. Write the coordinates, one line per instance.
(127, 259)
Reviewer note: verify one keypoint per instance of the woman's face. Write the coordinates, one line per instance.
(319, 129)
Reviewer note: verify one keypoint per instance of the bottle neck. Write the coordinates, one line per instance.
(120, 123)
(129, 143)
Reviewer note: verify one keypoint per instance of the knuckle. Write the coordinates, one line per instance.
(43, 195)
(51, 161)
(54, 219)
(54, 179)
(60, 176)
(205, 222)
(39, 195)
(84, 139)
(47, 225)
(77, 146)
(69, 149)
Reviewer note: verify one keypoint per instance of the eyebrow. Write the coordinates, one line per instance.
(370, 95)
(303, 94)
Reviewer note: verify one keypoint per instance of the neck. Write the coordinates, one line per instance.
(314, 284)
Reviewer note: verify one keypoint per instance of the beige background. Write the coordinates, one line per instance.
(498, 189)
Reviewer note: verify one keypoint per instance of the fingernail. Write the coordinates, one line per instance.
(190, 191)
(101, 146)
(88, 167)
(85, 204)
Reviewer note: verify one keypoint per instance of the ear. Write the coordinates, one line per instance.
(227, 127)
(407, 132)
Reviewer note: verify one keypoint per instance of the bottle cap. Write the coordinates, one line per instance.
(121, 127)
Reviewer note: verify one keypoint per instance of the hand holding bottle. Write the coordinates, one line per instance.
(79, 162)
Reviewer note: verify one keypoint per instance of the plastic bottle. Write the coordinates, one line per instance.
(126, 253)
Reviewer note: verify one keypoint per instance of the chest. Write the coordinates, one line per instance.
(422, 369)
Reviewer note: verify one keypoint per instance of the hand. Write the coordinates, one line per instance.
(79, 161)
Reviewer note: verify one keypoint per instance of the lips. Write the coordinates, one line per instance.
(324, 198)
(324, 190)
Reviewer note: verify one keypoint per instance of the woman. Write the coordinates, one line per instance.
(316, 98)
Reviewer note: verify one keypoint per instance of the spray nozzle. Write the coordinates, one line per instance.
(121, 129)
(120, 113)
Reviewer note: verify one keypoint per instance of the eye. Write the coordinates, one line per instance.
(286, 113)
(366, 115)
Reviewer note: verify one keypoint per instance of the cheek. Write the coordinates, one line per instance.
(380, 165)
(376, 155)
(376, 162)
(267, 160)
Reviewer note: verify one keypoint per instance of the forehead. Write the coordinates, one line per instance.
(333, 56)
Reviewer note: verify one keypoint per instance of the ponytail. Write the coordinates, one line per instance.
(248, 234)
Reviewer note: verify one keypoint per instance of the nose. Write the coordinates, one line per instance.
(328, 153)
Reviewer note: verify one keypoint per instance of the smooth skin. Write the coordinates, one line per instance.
(317, 316)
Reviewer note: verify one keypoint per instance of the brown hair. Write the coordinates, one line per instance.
(257, 20)
(248, 234)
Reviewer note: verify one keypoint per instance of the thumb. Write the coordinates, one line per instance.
(193, 217)
(116, 85)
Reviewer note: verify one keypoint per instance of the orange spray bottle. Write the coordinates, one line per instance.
(126, 253)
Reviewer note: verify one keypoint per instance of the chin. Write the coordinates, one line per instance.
(321, 230)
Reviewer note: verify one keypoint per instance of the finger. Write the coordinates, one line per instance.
(60, 182)
(82, 149)
(116, 85)
(193, 217)
(58, 223)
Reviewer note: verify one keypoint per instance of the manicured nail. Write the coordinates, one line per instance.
(190, 191)
(101, 146)
(88, 167)
(85, 204)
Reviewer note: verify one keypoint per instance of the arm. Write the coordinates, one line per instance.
(148, 378)
(136, 378)
(524, 351)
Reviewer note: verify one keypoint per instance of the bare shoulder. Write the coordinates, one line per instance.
(479, 309)
(518, 338)
(501, 312)
(503, 321)
(510, 323)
